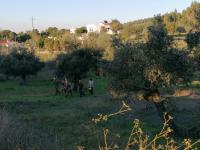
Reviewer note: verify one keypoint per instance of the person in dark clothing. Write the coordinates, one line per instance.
(57, 84)
(80, 87)
(69, 89)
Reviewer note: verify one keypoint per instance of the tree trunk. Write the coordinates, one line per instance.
(161, 109)
(154, 96)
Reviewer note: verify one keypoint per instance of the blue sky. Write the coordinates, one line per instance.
(16, 14)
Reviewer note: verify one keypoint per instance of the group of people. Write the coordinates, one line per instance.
(63, 87)
(66, 88)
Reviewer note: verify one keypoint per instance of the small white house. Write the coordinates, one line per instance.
(72, 31)
(92, 28)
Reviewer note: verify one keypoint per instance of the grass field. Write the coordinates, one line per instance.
(37, 103)
(71, 117)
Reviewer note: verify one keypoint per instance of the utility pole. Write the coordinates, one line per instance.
(33, 23)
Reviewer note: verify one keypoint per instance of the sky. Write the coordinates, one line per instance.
(16, 15)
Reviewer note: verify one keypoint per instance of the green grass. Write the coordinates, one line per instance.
(71, 117)
(39, 90)
(195, 84)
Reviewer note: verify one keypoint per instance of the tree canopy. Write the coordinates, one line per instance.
(20, 62)
(75, 65)
(81, 30)
(151, 65)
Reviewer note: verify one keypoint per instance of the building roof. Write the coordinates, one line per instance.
(5, 43)
(2, 42)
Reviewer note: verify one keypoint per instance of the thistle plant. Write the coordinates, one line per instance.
(139, 140)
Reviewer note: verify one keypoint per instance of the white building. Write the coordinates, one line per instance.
(97, 28)
(72, 30)
(92, 28)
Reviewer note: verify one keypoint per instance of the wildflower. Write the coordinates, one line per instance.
(169, 130)
(106, 131)
(105, 118)
(140, 131)
(136, 123)
(115, 146)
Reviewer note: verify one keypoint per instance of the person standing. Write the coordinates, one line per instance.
(69, 89)
(65, 86)
(80, 87)
(91, 86)
(57, 84)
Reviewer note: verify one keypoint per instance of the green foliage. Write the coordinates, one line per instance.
(6, 63)
(60, 40)
(75, 66)
(116, 25)
(191, 16)
(157, 37)
(174, 22)
(192, 39)
(105, 43)
(23, 37)
(20, 62)
(7, 35)
(102, 42)
(81, 30)
(52, 31)
(145, 68)
(35, 34)
(44, 34)
(134, 32)
(52, 44)
(127, 69)
(40, 43)
(68, 42)
(179, 65)
(171, 21)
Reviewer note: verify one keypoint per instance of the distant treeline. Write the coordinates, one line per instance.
(54, 39)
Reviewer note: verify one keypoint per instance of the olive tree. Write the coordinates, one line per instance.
(75, 66)
(20, 62)
(148, 67)
(5, 65)
(157, 35)
(127, 69)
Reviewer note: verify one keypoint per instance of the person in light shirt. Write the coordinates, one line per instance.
(91, 86)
